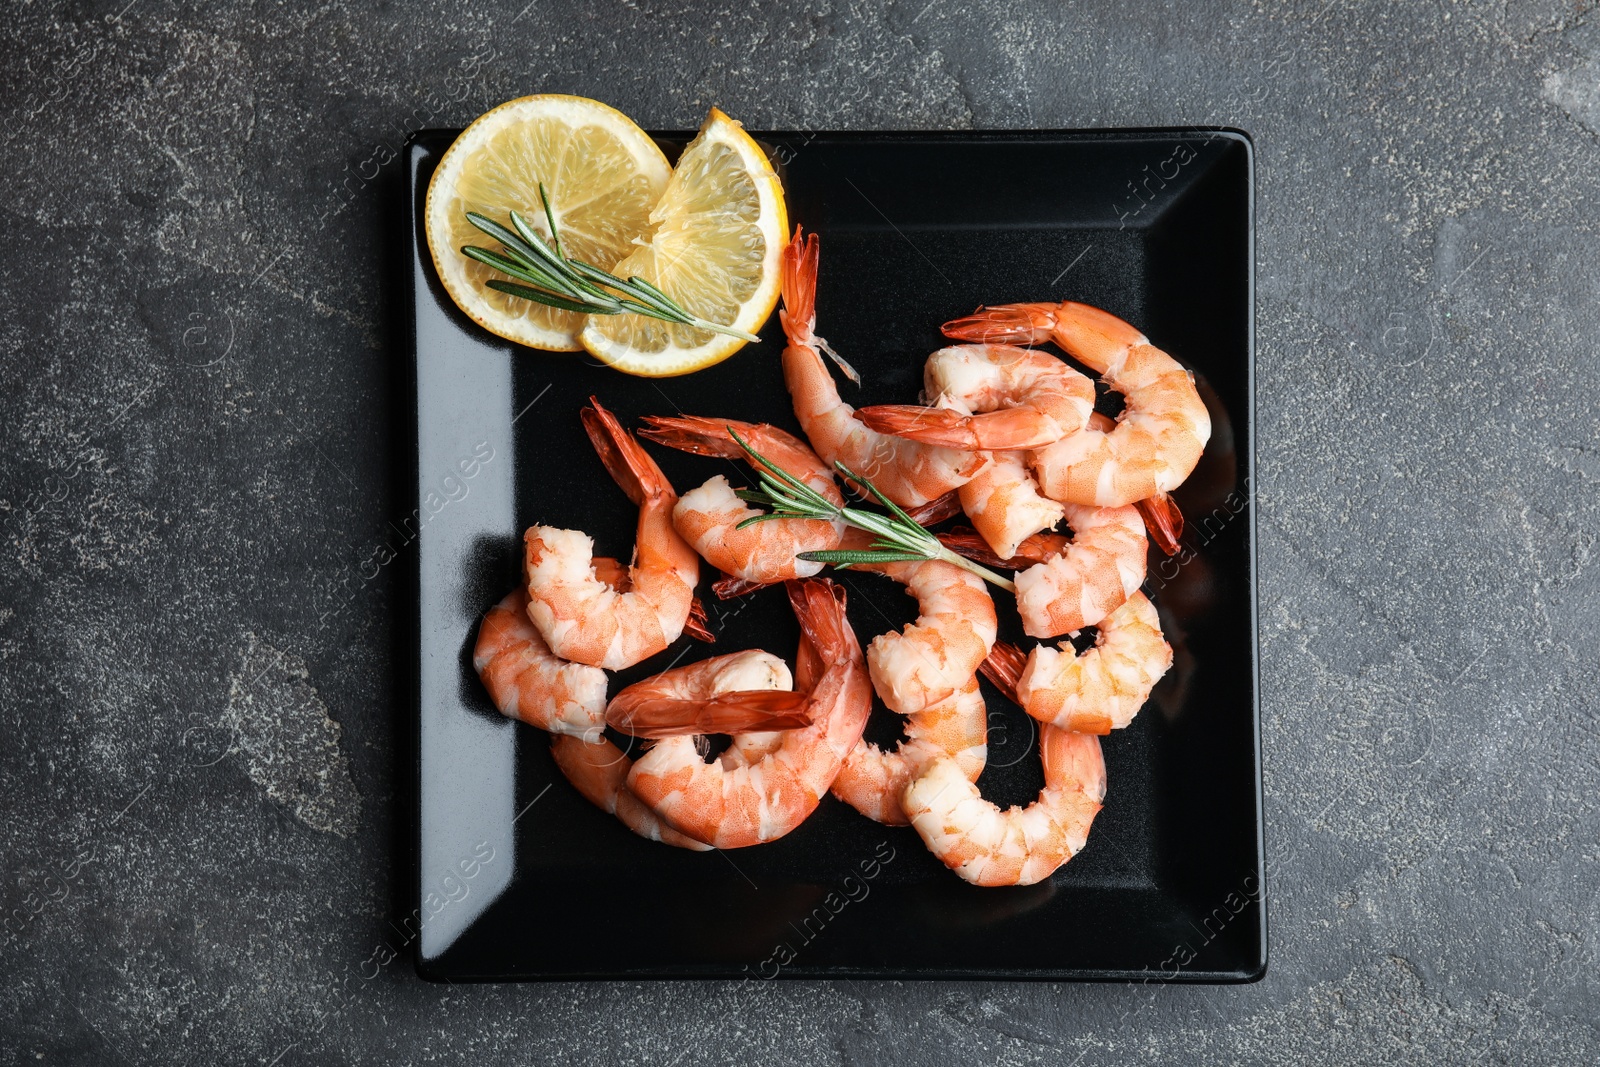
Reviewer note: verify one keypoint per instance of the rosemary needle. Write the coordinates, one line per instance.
(899, 538)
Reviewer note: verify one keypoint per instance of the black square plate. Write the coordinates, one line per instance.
(519, 877)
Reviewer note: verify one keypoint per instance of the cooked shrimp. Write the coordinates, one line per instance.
(990, 398)
(529, 682)
(873, 780)
(1007, 509)
(731, 694)
(926, 661)
(1019, 846)
(1098, 691)
(1005, 505)
(709, 517)
(1098, 570)
(909, 473)
(1164, 424)
(1163, 521)
(599, 770)
(765, 790)
(748, 749)
(1065, 584)
(582, 618)
(613, 573)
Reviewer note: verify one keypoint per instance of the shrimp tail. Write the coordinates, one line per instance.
(966, 542)
(729, 586)
(1162, 521)
(819, 604)
(799, 314)
(930, 426)
(701, 436)
(696, 626)
(936, 510)
(629, 465)
(739, 712)
(1088, 334)
(1004, 667)
(1007, 324)
(1035, 548)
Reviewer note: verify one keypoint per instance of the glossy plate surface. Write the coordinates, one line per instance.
(519, 877)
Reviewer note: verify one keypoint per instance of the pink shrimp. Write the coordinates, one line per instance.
(599, 771)
(1098, 691)
(1019, 846)
(527, 681)
(909, 473)
(1164, 425)
(708, 517)
(873, 780)
(732, 694)
(582, 618)
(1065, 584)
(928, 660)
(767, 788)
(1099, 569)
(990, 398)
(1005, 505)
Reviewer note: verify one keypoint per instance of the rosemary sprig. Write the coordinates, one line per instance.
(546, 274)
(899, 538)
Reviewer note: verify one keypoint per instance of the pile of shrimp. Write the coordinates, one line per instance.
(1005, 434)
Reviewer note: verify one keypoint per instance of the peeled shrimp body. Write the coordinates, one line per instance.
(1005, 505)
(1018, 846)
(1091, 577)
(708, 517)
(908, 472)
(580, 616)
(731, 694)
(529, 682)
(764, 789)
(1098, 691)
(928, 660)
(725, 691)
(599, 770)
(1064, 584)
(873, 780)
(1164, 425)
(991, 398)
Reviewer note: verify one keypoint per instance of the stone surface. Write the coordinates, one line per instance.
(198, 329)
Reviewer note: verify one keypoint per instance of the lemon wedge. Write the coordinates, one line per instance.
(715, 245)
(603, 175)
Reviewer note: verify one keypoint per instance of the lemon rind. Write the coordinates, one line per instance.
(452, 273)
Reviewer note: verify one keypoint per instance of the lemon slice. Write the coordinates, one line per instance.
(716, 243)
(603, 175)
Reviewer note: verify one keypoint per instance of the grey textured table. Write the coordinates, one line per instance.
(197, 617)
